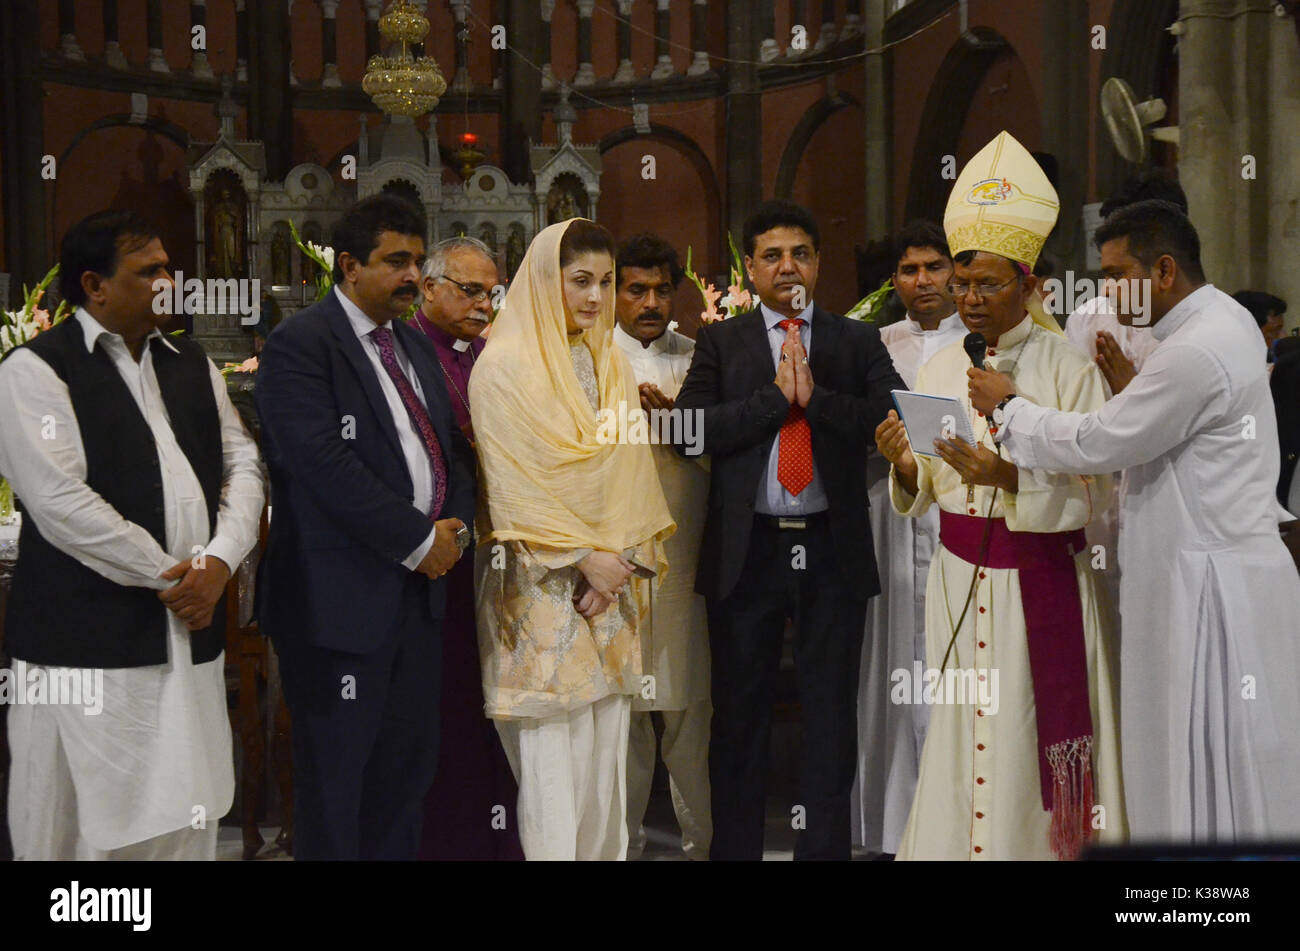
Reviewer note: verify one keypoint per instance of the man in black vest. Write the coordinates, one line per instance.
(372, 499)
(141, 492)
(790, 395)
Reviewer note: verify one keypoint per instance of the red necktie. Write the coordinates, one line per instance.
(419, 416)
(794, 460)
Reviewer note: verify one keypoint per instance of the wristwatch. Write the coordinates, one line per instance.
(999, 417)
(464, 538)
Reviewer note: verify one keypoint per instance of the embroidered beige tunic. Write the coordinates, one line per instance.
(978, 794)
(539, 656)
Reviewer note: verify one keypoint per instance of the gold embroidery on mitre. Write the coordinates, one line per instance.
(1010, 241)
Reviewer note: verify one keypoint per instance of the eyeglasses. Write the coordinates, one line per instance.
(638, 292)
(475, 292)
(982, 289)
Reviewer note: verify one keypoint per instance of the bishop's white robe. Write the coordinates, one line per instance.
(1210, 597)
(890, 735)
(979, 794)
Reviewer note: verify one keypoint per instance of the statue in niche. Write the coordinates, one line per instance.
(280, 256)
(566, 199)
(225, 244)
(514, 249)
(488, 234)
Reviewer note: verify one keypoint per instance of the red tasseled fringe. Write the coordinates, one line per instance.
(1071, 762)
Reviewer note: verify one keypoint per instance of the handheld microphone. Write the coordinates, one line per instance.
(976, 346)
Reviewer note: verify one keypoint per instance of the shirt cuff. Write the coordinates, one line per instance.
(412, 561)
(227, 550)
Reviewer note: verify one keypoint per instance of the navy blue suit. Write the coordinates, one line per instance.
(357, 632)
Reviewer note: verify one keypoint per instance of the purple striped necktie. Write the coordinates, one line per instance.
(383, 337)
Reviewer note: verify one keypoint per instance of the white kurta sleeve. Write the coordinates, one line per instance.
(243, 484)
(1050, 501)
(1178, 392)
(42, 456)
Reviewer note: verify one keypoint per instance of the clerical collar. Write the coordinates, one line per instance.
(631, 344)
(440, 336)
(951, 321)
(1179, 313)
(1013, 337)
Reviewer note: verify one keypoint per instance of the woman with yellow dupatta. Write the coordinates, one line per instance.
(568, 523)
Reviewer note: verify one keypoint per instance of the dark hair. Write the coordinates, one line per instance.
(646, 250)
(920, 234)
(584, 237)
(96, 244)
(357, 232)
(1260, 304)
(1155, 228)
(1154, 183)
(779, 214)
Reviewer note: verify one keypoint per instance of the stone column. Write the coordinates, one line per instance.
(744, 117)
(548, 74)
(199, 64)
(241, 41)
(626, 72)
(28, 251)
(270, 119)
(826, 36)
(521, 107)
(1237, 71)
(1065, 100)
(699, 39)
(879, 151)
(460, 81)
(329, 78)
(112, 48)
(372, 27)
(153, 19)
(586, 75)
(68, 31)
(663, 59)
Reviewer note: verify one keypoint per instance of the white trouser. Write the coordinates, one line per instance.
(43, 805)
(685, 750)
(572, 774)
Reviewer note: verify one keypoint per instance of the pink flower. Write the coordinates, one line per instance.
(740, 298)
(711, 297)
(42, 318)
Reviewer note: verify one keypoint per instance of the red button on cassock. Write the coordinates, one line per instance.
(972, 511)
(982, 644)
(979, 713)
(979, 746)
(980, 780)
(978, 849)
(979, 815)
(981, 610)
(981, 574)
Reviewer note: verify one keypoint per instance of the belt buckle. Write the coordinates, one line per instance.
(783, 522)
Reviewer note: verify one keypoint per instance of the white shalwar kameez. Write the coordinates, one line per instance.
(151, 775)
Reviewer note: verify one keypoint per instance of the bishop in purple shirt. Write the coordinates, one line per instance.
(461, 821)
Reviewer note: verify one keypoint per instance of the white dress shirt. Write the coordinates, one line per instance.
(910, 344)
(161, 748)
(413, 448)
(773, 498)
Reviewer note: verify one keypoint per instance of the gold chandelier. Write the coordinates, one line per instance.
(403, 85)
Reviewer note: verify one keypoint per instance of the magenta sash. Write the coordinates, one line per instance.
(1049, 597)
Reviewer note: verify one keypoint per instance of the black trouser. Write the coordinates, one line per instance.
(746, 630)
(365, 750)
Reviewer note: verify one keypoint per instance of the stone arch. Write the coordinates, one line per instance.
(691, 151)
(803, 132)
(944, 115)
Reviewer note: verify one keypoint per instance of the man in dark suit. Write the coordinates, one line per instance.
(372, 493)
(790, 395)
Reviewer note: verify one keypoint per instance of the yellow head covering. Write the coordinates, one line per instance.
(546, 478)
(1003, 203)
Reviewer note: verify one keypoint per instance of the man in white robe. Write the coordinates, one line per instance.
(1209, 593)
(675, 644)
(1021, 758)
(890, 735)
(149, 776)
